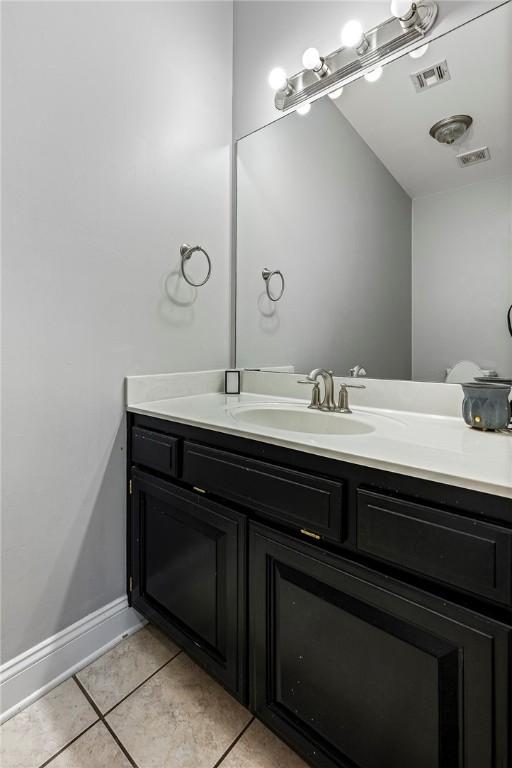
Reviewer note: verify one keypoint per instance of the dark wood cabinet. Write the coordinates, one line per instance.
(473, 555)
(366, 616)
(155, 451)
(359, 671)
(295, 499)
(188, 574)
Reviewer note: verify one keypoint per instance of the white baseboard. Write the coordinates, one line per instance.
(33, 673)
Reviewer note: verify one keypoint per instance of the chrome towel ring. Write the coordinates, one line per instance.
(267, 274)
(186, 252)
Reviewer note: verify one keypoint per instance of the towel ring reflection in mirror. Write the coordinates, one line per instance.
(267, 275)
(186, 252)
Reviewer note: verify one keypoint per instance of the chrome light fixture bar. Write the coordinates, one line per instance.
(408, 25)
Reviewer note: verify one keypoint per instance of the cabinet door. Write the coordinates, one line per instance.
(356, 670)
(188, 559)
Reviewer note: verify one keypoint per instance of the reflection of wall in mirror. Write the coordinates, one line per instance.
(462, 247)
(315, 202)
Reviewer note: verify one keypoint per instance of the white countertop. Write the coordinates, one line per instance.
(432, 447)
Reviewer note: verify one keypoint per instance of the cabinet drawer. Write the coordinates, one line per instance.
(154, 450)
(294, 498)
(468, 554)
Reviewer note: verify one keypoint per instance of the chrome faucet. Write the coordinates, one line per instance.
(328, 404)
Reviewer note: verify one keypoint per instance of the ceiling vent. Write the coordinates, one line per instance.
(473, 157)
(429, 78)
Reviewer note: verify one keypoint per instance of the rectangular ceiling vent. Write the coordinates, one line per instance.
(429, 78)
(474, 156)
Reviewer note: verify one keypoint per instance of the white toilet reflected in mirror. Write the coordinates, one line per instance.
(465, 370)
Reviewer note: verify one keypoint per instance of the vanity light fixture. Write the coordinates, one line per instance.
(373, 75)
(336, 94)
(304, 108)
(279, 82)
(312, 60)
(352, 36)
(401, 9)
(419, 52)
(414, 15)
(362, 52)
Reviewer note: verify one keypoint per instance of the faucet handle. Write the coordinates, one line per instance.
(315, 394)
(343, 406)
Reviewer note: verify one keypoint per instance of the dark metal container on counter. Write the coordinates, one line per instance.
(486, 406)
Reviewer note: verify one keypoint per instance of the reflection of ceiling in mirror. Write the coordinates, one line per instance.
(394, 120)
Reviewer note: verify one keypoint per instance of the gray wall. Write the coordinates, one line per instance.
(113, 154)
(462, 245)
(316, 203)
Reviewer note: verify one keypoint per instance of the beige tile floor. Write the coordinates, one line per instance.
(143, 704)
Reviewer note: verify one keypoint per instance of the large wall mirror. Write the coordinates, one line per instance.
(395, 248)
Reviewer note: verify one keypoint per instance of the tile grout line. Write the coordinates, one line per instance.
(141, 684)
(101, 716)
(120, 744)
(228, 750)
(63, 749)
(107, 726)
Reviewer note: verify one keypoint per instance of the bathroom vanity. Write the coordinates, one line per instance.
(348, 576)
(364, 615)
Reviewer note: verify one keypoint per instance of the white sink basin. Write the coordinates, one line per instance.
(294, 419)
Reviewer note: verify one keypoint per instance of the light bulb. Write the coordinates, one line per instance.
(401, 8)
(419, 52)
(277, 79)
(311, 59)
(373, 75)
(336, 94)
(303, 109)
(352, 34)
